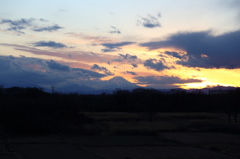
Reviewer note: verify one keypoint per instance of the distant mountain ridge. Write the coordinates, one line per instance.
(119, 82)
(108, 86)
(102, 86)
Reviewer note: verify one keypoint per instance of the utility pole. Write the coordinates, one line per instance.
(53, 91)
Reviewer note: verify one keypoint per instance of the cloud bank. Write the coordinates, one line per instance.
(33, 72)
(164, 81)
(203, 49)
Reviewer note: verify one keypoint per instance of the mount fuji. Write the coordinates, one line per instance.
(97, 87)
(118, 82)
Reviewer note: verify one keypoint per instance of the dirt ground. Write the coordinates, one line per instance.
(217, 142)
(164, 145)
(132, 136)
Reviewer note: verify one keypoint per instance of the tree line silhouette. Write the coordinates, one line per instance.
(31, 110)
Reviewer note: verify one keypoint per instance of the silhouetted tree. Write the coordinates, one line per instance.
(122, 99)
(148, 101)
(235, 103)
(1, 90)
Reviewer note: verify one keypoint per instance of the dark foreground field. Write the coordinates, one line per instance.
(133, 136)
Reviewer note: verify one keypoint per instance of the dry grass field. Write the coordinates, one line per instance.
(133, 136)
(120, 123)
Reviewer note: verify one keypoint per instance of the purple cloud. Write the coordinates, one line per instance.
(204, 49)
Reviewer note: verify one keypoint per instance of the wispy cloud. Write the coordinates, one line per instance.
(17, 30)
(127, 56)
(150, 21)
(20, 26)
(109, 50)
(131, 73)
(117, 45)
(90, 38)
(115, 30)
(157, 65)
(77, 57)
(51, 44)
(111, 47)
(48, 28)
(21, 22)
(102, 69)
(134, 65)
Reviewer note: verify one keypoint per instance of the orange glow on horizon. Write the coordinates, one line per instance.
(201, 85)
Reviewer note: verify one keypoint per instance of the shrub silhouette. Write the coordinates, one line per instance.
(33, 111)
(30, 111)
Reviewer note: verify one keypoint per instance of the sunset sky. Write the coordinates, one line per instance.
(152, 43)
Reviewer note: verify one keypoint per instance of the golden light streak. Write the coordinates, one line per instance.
(201, 85)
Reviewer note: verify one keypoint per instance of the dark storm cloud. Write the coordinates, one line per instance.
(115, 30)
(180, 40)
(127, 56)
(155, 64)
(166, 80)
(203, 49)
(57, 66)
(150, 21)
(48, 28)
(103, 69)
(51, 44)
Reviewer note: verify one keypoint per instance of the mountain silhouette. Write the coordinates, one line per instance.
(119, 82)
(96, 87)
